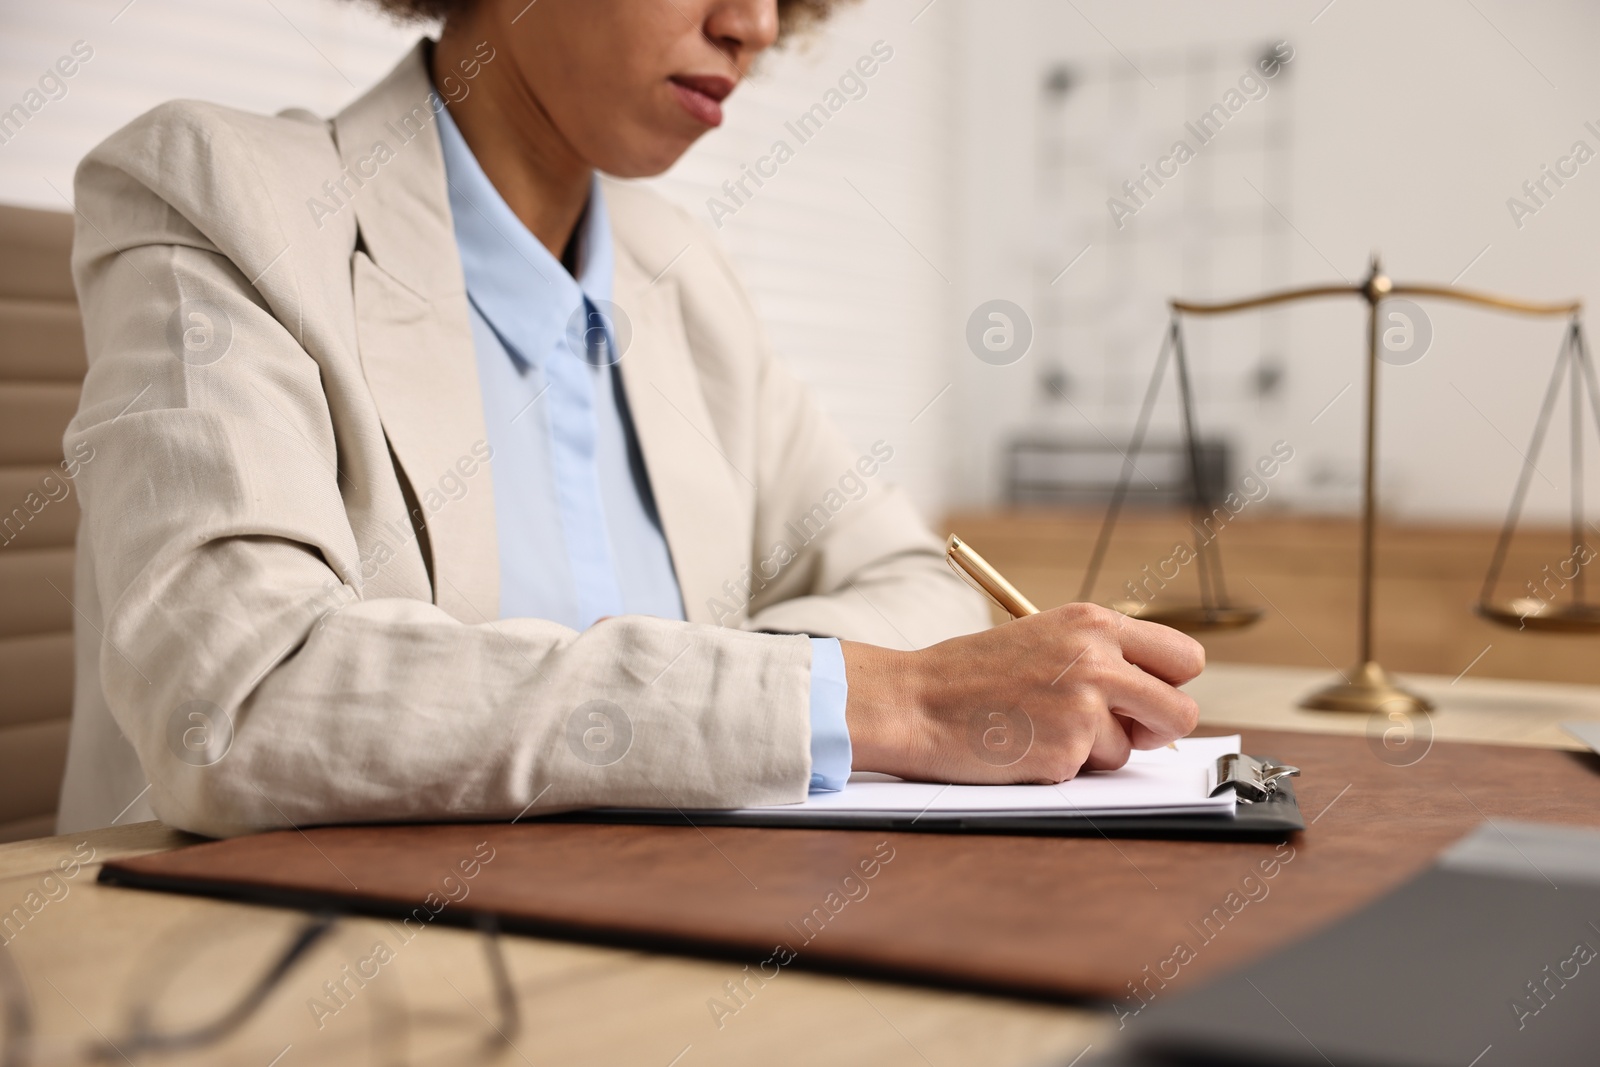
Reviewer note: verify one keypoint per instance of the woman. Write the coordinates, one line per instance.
(434, 477)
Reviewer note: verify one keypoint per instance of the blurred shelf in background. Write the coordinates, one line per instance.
(1069, 471)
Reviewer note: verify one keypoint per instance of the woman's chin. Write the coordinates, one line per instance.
(648, 162)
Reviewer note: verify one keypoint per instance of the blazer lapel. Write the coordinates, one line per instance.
(415, 335)
(703, 499)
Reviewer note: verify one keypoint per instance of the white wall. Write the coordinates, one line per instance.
(856, 311)
(253, 54)
(1414, 123)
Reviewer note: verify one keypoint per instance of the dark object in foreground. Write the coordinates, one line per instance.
(1488, 958)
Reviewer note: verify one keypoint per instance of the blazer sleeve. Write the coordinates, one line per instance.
(226, 581)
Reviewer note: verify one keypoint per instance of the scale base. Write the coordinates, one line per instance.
(1369, 690)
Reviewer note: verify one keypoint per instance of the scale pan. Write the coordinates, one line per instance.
(1191, 618)
(1530, 613)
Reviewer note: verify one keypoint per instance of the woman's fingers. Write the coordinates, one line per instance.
(1156, 712)
(1170, 655)
(1121, 708)
(1111, 744)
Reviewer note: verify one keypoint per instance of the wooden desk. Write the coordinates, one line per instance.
(1302, 570)
(1493, 710)
(88, 951)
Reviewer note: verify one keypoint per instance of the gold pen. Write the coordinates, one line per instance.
(975, 570)
(978, 573)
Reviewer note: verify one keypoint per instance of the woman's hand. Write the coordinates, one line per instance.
(1033, 700)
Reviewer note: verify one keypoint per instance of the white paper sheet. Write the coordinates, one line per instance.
(1587, 732)
(1162, 782)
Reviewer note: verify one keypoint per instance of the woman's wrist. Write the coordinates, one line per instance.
(887, 694)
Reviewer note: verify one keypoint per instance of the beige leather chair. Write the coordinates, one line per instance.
(41, 369)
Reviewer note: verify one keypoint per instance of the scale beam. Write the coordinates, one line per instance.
(1489, 300)
(1281, 296)
(1443, 292)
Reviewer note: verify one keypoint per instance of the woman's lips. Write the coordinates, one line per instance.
(701, 95)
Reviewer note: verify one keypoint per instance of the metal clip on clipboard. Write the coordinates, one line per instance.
(1252, 779)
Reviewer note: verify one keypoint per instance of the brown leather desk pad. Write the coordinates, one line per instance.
(1057, 918)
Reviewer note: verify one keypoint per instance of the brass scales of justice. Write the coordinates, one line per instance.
(1368, 688)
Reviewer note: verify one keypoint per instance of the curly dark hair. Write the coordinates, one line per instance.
(793, 15)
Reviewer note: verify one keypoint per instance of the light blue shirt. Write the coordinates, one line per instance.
(570, 482)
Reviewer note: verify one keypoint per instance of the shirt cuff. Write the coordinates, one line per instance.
(830, 734)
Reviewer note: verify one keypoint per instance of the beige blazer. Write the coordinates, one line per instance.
(287, 563)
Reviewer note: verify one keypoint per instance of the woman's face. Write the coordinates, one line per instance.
(631, 84)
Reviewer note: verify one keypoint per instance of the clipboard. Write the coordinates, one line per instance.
(1267, 810)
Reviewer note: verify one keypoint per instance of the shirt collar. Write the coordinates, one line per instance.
(516, 284)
